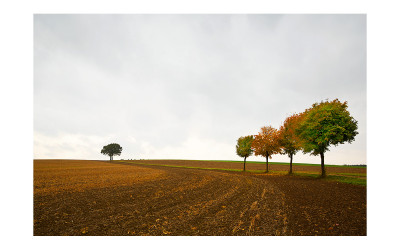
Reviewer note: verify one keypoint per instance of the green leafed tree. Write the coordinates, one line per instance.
(324, 124)
(111, 150)
(243, 148)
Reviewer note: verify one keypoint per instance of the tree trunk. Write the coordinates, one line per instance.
(110, 158)
(266, 163)
(291, 160)
(244, 164)
(323, 173)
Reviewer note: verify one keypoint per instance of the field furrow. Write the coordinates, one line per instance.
(126, 198)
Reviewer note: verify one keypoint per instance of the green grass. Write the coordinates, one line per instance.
(343, 179)
(353, 174)
(349, 180)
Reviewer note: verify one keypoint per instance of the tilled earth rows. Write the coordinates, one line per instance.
(204, 202)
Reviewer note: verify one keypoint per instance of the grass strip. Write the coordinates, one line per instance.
(352, 174)
(343, 179)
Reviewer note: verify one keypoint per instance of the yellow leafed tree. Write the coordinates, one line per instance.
(266, 143)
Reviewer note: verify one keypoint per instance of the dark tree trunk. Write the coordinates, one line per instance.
(266, 164)
(244, 164)
(323, 173)
(110, 158)
(291, 160)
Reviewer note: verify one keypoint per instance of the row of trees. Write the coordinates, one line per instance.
(312, 131)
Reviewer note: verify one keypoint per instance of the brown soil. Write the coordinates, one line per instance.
(99, 198)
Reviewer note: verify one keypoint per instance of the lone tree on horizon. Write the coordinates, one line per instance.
(266, 144)
(289, 139)
(111, 150)
(324, 124)
(243, 148)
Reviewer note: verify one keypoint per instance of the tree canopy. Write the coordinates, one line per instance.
(243, 148)
(266, 143)
(288, 138)
(324, 124)
(111, 150)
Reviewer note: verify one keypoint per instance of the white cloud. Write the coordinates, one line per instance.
(69, 146)
(193, 147)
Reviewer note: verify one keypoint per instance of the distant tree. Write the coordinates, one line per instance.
(266, 143)
(289, 140)
(326, 123)
(111, 150)
(243, 148)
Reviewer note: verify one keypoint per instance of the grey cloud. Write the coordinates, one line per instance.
(165, 78)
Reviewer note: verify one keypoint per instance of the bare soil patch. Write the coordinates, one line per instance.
(101, 198)
(320, 207)
(77, 176)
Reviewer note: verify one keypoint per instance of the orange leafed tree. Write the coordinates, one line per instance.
(289, 139)
(266, 143)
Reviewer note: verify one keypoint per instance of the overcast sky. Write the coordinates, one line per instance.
(188, 86)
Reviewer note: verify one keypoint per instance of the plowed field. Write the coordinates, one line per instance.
(101, 198)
